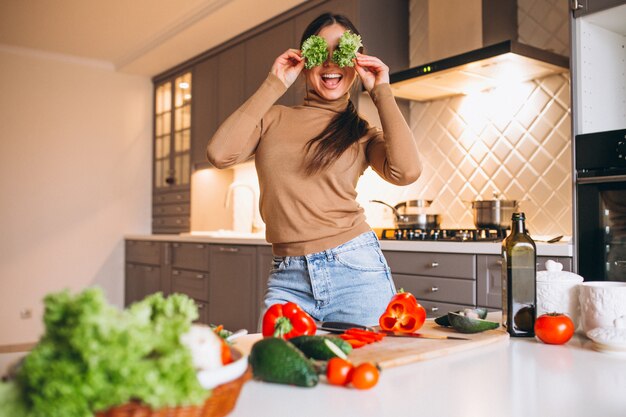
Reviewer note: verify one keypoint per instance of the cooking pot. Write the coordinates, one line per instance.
(416, 220)
(493, 214)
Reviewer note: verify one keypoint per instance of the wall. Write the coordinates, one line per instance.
(75, 164)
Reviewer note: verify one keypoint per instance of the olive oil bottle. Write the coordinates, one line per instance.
(519, 285)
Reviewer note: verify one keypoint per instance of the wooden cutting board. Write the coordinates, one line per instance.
(396, 351)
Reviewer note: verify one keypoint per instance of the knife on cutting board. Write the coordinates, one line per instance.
(340, 327)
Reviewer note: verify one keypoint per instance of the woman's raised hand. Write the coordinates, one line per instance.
(371, 70)
(288, 66)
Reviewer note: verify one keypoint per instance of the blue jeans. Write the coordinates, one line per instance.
(351, 282)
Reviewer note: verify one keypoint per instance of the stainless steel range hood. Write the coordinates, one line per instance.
(503, 62)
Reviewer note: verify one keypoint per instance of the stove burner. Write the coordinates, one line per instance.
(447, 235)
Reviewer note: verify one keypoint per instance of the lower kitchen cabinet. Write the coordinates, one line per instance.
(143, 269)
(233, 299)
(441, 282)
(489, 272)
(264, 257)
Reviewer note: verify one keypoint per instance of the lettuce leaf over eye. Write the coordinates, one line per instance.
(315, 51)
(349, 44)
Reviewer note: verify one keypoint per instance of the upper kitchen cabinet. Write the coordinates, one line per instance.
(230, 80)
(598, 67)
(584, 7)
(172, 149)
(204, 110)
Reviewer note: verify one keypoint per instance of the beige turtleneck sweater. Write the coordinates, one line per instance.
(308, 214)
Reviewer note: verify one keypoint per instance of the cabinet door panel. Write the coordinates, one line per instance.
(261, 51)
(190, 256)
(232, 287)
(230, 87)
(192, 283)
(448, 290)
(141, 280)
(432, 264)
(264, 264)
(489, 282)
(143, 252)
(204, 108)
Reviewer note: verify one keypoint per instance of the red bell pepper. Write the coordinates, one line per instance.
(286, 321)
(403, 314)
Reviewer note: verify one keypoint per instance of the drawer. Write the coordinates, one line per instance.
(203, 312)
(172, 197)
(449, 265)
(448, 290)
(170, 210)
(190, 256)
(192, 283)
(170, 222)
(435, 309)
(143, 252)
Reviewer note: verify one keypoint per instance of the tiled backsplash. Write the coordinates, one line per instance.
(513, 141)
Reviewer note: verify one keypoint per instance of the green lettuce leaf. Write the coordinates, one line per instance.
(315, 51)
(346, 50)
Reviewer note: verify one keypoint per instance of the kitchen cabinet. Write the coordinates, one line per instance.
(172, 154)
(233, 293)
(230, 81)
(189, 274)
(441, 282)
(142, 269)
(204, 110)
(585, 7)
(489, 277)
(264, 257)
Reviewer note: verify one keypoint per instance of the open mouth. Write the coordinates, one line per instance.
(331, 80)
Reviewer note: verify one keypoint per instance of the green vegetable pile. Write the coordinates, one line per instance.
(315, 50)
(349, 44)
(94, 356)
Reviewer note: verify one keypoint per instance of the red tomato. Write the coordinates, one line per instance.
(338, 371)
(365, 376)
(554, 328)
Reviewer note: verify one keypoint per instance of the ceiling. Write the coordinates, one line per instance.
(142, 37)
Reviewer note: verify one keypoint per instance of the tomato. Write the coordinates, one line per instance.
(365, 376)
(338, 371)
(554, 328)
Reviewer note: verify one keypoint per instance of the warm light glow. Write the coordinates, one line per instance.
(183, 85)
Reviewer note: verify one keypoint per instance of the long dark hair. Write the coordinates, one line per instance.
(345, 128)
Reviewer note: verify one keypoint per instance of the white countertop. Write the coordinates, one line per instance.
(521, 377)
(563, 249)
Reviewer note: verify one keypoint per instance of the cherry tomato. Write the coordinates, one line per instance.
(365, 376)
(554, 328)
(338, 371)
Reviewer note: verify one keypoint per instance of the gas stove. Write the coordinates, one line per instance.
(446, 235)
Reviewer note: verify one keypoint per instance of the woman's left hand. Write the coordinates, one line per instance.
(371, 70)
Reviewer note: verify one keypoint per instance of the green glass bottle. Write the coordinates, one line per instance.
(519, 285)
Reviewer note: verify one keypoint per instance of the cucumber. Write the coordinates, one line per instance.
(322, 347)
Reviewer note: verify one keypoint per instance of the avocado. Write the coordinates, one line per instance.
(276, 360)
(317, 347)
(466, 324)
(480, 312)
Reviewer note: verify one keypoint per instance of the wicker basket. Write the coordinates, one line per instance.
(220, 403)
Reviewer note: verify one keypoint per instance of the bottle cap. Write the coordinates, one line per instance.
(518, 216)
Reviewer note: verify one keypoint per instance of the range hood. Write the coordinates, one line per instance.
(500, 63)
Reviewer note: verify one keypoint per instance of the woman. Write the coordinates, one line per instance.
(308, 160)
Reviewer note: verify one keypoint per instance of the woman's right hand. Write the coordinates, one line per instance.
(288, 66)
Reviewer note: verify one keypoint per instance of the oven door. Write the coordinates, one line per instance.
(601, 228)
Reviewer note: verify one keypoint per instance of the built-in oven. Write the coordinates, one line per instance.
(600, 215)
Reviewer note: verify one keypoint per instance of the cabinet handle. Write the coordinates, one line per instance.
(223, 249)
(200, 246)
(179, 197)
(434, 264)
(576, 5)
(175, 272)
(499, 263)
(434, 309)
(175, 245)
(200, 306)
(148, 268)
(200, 276)
(620, 263)
(434, 289)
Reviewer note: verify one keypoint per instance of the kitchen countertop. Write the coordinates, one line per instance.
(521, 377)
(564, 249)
